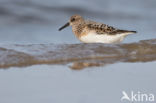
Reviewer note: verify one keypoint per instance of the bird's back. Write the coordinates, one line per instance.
(101, 28)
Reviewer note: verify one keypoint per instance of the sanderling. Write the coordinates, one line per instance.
(92, 32)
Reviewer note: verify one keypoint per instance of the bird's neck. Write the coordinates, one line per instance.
(78, 28)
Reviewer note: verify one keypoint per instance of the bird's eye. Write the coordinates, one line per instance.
(73, 19)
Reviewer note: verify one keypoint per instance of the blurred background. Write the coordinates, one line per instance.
(37, 21)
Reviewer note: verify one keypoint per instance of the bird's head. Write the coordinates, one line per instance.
(75, 19)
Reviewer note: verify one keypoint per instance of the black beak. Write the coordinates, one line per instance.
(67, 24)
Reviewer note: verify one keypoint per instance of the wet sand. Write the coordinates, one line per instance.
(80, 55)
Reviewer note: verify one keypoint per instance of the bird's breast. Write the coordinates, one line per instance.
(79, 30)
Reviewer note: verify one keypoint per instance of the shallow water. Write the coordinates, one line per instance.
(47, 83)
(40, 64)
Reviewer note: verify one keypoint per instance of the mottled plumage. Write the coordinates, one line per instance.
(93, 32)
(101, 28)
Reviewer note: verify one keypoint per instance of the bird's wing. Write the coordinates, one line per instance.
(101, 28)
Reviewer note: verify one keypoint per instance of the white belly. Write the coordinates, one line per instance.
(102, 38)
